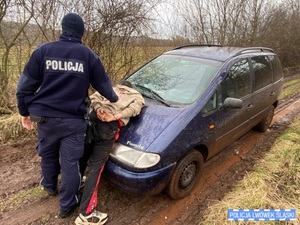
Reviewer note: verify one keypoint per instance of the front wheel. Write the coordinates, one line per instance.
(186, 174)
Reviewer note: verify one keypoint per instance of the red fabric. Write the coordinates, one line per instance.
(94, 199)
(118, 132)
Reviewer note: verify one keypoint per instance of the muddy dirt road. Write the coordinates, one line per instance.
(20, 172)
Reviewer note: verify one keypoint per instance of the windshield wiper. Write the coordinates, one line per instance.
(154, 94)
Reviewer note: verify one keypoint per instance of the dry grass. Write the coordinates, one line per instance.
(274, 183)
(289, 92)
(11, 129)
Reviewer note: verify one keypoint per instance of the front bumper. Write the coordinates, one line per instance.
(139, 183)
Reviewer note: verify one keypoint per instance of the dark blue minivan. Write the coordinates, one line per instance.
(199, 99)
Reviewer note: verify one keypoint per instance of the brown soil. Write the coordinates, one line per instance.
(20, 171)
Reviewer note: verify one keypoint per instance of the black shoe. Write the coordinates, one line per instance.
(51, 192)
(65, 214)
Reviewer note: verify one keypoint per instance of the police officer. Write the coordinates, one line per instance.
(51, 91)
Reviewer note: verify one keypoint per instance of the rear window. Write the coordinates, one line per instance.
(276, 66)
(262, 71)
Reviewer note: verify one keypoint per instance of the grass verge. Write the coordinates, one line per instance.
(11, 129)
(274, 183)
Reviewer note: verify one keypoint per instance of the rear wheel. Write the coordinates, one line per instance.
(266, 122)
(186, 174)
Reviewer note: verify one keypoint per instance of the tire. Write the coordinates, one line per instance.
(266, 122)
(186, 174)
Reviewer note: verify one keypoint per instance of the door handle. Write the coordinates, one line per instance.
(249, 107)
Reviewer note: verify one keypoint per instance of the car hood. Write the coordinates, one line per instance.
(145, 128)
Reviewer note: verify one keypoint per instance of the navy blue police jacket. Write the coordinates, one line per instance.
(56, 79)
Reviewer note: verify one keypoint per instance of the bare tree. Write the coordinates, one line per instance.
(114, 28)
(9, 34)
(245, 23)
(196, 14)
(117, 30)
(4, 108)
(282, 32)
(224, 21)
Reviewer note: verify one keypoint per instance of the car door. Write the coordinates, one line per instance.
(231, 124)
(265, 93)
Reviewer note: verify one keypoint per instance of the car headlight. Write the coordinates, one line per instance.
(134, 158)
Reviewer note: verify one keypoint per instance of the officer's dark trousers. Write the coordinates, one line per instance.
(61, 145)
(99, 153)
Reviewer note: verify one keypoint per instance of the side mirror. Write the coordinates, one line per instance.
(233, 103)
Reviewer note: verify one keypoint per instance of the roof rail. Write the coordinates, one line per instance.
(252, 49)
(195, 45)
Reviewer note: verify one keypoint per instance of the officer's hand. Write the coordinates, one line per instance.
(27, 123)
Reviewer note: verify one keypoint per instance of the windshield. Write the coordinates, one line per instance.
(174, 79)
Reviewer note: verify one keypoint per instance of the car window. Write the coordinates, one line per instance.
(276, 66)
(177, 79)
(262, 71)
(211, 104)
(237, 83)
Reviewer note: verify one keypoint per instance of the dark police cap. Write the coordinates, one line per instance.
(73, 23)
